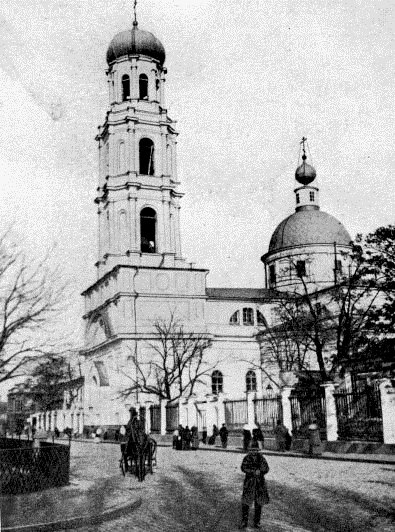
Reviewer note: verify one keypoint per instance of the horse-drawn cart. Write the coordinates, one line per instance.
(139, 453)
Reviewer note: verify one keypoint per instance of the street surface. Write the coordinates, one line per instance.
(201, 491)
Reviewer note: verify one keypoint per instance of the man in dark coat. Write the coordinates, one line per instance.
(223, 434)
(255, 467)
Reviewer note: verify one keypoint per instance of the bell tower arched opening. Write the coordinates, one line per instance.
(143, 87)
(147, 152)
(125, 87)
(148, 230)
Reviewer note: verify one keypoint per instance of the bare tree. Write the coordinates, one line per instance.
(31, 298)
(177, 364)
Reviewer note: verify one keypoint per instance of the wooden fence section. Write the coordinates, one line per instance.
(235, 414)
(267, 411)
(359, 414)
(306, 406)
(155, 418)
(172, 418)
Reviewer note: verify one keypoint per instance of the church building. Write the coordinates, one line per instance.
(142, 275)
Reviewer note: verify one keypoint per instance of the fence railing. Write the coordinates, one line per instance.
(25, 469)
(172, 418)
(359, 414)
(267, 411)
(235, 414)
(155, 418)
(306, 406)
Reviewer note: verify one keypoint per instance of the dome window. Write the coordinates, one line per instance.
(147, 153)
(272, 274)
(301, 268)
(217, 382)
(148, 230)
(125, 87)
(143, 87)
(251, 381)
(248, 316)
(235, 318)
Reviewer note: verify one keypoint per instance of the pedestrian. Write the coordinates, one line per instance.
(257, 435)
(255, 492)
(280, 433)
(194, 438)
(57, 433)
(246, 437)
(187, 439)
(204, 435)
(123, 438)
(180, 438)
(223, 434)
(98, 435)
(175, 438)
(315, 447)
(212, 438)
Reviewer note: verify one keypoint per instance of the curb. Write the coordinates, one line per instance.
(78, 521)
(300, 455)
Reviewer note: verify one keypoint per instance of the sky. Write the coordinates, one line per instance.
(246, 80)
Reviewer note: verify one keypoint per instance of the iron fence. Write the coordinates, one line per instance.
(359, 414)
(235, 414)
(155, 418)
(25, 469)
(172, 418)
(306, 406)
(267, 411)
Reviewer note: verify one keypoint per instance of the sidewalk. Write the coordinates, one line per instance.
(97, 492)
(388, 459)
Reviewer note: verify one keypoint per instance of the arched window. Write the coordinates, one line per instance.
(143, 87)
(125, 87)
(260, 318)
(217, 382)
(148, 230)
(146, 157)
(235, 318)
(251, 381)
(248, 316)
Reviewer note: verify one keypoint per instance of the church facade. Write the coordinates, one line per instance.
(142, 275)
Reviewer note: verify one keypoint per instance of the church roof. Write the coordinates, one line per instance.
(135, 42)
(308, 226)
(243, 294)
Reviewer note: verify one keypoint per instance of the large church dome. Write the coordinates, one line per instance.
(308, 226)
(135, 42)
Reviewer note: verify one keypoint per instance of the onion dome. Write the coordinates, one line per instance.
(308, 227)
(135, 42)
(305, 173)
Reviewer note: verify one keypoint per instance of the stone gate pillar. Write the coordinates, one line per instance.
(162, 404)
(387, 392)
(286, 404)
(250, 408)
(330, 413)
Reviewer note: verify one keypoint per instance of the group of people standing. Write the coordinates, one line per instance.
(185, 439)
(252, 433)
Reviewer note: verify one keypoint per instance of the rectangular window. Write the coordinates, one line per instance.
(311, 196)
(339, 266)
(272, 274)
(301, 268)
(297, 198)
(248, 316)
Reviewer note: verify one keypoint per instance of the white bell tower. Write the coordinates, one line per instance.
(141, 274)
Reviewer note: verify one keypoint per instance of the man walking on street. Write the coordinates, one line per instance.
(255, 467)
(223, 434)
